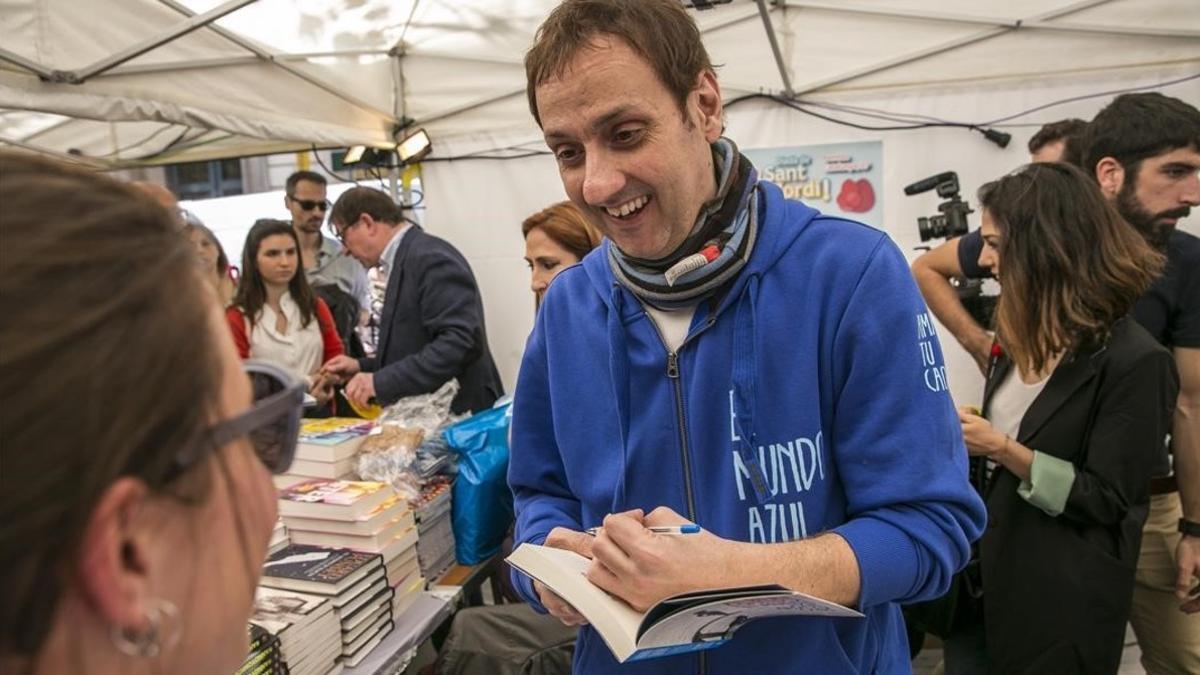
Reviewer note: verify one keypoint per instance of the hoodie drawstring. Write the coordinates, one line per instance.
(745, 360)
(618, 372)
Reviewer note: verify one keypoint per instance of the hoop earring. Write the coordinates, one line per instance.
(161, 632)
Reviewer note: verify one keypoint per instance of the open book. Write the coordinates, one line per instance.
(682, 623)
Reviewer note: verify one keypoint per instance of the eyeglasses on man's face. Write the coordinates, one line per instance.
(272, 424)
(311, 205)
(340, 231)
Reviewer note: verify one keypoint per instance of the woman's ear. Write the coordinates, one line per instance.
(112, 568)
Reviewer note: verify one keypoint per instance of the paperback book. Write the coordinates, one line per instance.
(682, 623)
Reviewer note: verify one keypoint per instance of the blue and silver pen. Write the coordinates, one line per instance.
(690, 528)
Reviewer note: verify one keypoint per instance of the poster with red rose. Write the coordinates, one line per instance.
(841, 179)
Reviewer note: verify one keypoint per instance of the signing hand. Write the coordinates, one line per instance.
(642, 567)
(340, 368)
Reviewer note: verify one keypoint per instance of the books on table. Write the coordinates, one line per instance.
(355, 582)
(265, 656)
(391, 511)
(682, 623)
(344, 500)
(331, 439)
(313, 569)
(305, 625)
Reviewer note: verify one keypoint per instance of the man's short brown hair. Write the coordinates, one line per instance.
(359, 200)
(1069, 131)
(660, 31)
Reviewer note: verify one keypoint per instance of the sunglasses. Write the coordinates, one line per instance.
(272, 424)
(309, 205)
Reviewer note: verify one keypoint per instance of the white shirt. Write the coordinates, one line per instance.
(389, 252)
(673, 324)
(298, 350)
(1010, 401)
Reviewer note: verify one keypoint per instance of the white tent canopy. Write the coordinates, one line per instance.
(128, 82)
(281, 75)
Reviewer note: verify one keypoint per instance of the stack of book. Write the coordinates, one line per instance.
(279, 537)
(327, 448)
(435, 535)
(306, 628)
(353, 582)
(361, 516)
(265, 656)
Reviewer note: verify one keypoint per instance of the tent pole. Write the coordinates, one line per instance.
(263, 54)
(195, 22)
(779, 62)
(944, 47)
(18, 60)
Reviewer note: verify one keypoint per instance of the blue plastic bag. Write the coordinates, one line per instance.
(483, 505)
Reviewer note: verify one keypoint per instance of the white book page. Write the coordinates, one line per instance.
(563, 571)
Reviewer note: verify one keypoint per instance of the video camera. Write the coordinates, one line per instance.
(950, 222)
(952, 218)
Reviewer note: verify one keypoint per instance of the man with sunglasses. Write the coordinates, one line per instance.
(325, 264)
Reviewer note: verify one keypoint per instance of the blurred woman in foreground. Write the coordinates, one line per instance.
(137, 502)
(1077, 406)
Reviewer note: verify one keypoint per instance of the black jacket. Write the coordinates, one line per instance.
(1057, 589)
(431, 328)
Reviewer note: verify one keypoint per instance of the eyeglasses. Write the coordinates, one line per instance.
(272, 424)
(309, 205)
(340, 232)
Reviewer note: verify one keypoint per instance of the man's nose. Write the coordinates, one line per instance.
(1191, 191)
(603, 179)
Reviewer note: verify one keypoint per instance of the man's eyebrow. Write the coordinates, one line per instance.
(1181, 164)
(596, 125)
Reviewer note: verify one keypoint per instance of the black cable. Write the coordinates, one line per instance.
(328, 170)
(1084, 97)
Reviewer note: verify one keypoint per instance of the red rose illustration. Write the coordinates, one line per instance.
(856, 196)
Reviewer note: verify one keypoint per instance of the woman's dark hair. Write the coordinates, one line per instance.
(252, 292)
(108, 368)
(1069, 264)
(222, 259)
(566, 226)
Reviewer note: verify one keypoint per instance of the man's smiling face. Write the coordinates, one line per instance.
(636, 166)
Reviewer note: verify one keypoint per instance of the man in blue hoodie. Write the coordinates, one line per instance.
(729, 358)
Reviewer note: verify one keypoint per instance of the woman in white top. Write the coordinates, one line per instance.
(275, 316)
(1076, 409)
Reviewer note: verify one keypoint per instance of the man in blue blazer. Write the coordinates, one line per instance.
(431, 326)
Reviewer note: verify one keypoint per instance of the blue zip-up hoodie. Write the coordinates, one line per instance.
(822, 354)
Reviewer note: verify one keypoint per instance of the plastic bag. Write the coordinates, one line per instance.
(392, 454)
(389, 455)
(483, 507)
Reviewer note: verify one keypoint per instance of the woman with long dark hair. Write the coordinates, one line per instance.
(1076, 409)
(275, 316)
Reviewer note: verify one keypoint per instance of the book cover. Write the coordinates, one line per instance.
(331, 439)
(345, 500)
(375, 543)
(324, 571)
(393, 509)
(307, 468)
(679, 624)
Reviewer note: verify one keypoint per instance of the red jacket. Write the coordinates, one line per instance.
(332, 344)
